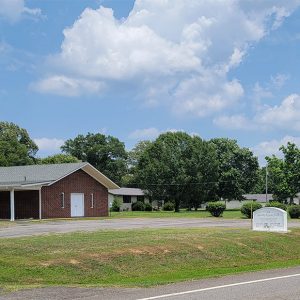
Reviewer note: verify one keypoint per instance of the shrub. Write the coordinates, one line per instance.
(246, 208)
(138, 206)
(216, 209)
(148, 207)
(276, 204)
(168, 206)
(294, 211)
(116, 205)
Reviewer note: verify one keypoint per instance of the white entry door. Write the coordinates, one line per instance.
(77, 205)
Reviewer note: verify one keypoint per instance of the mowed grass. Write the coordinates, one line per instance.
(141, 257)
(228, 214)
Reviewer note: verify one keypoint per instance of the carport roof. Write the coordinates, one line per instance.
(17, 176)
(127, 192)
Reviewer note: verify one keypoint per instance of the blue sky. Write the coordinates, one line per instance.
(135, 69)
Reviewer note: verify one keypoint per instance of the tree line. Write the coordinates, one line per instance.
(177, 167)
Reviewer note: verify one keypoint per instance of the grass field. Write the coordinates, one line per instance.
(141, 257)
(228, 214)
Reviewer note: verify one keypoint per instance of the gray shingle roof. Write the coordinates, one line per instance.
(127, 192)
(258, 197)
(36, 173)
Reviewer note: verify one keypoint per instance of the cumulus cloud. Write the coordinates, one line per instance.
(268, 148)
(48, 144)
(284, 116)
(183, 49)
(13, 10)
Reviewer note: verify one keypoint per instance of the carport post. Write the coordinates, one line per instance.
(12, 204)
(40, 203)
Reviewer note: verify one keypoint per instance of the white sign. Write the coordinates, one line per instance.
(270, 219)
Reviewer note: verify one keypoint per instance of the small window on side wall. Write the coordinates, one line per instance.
(92, 200)
(62, 200)
(126, 199)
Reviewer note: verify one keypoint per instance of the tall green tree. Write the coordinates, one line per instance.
(58, 159)
(260, 185)
(174, 168)
(284, 174)
(238, 169)
(16, 146)
(106, 153)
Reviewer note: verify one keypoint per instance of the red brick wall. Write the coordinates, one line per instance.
(77, 182)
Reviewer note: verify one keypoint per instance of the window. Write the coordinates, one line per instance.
(92, 200)
(126, 199)
(62, 200)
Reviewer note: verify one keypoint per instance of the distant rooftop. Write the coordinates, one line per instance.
(126, 192)
(258, 197)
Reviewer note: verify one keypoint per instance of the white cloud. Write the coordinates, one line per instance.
(145, 134)
(175, 51)
(284, 116)
(206, 95)
(13, 10)
(49, 145)
(266, 91)
(66, 86)
(268, 148)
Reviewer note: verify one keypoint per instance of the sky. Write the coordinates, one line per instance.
(135, 69)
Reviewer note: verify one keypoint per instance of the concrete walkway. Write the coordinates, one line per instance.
(30, 228)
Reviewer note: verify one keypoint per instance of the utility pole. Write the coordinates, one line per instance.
(267, 183)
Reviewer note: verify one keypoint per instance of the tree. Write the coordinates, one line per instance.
(132, 161)
(58, 159)
(284, 174)
(16, 147)
(260, 185)
(106, 153)
(175, 167)
(238, 169)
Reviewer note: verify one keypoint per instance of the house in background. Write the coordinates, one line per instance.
(53, 191)
(127, 196)
(260, 198)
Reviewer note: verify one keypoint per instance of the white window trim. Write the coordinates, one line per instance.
(92, 200)
(62, 200)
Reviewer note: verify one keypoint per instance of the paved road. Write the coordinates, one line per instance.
(268, 285)
(27, 228)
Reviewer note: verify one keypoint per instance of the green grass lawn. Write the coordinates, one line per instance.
(228, 214)
(141, 257)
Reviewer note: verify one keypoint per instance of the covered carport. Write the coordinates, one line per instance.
(20, 201)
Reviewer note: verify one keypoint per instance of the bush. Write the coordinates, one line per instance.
(138, 206)
(294, 211)
(116, 205)
(246, 208)
(168, 206)
(216, 209)
(148, 207)
(276, 204)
